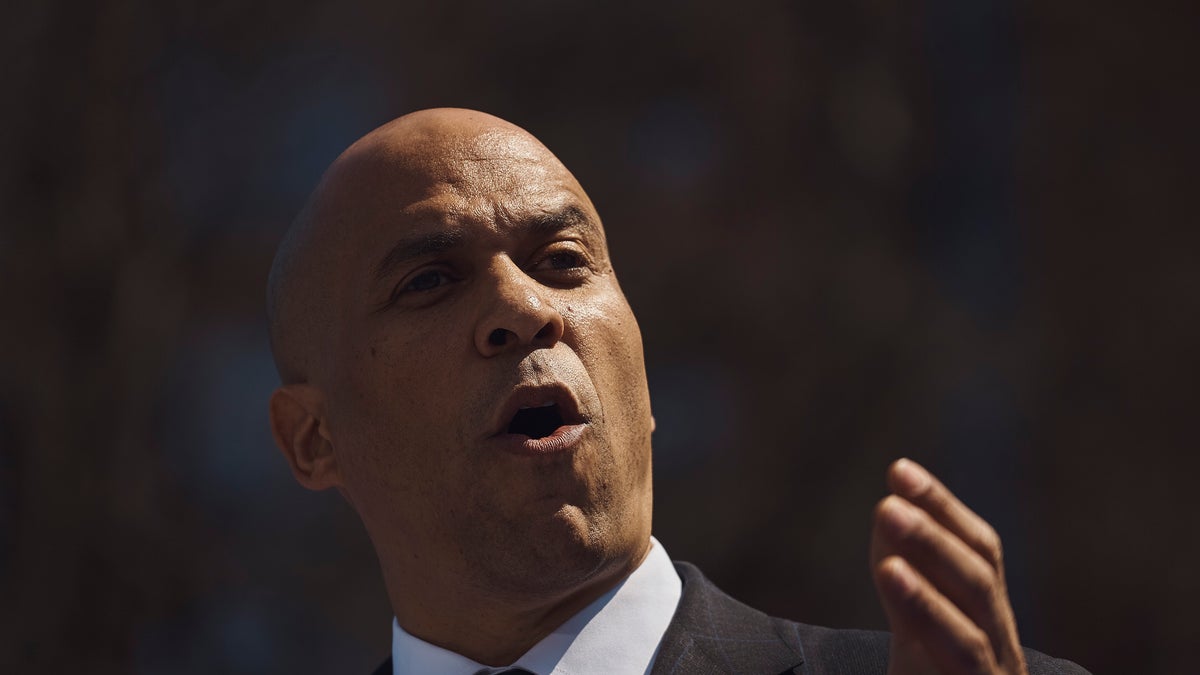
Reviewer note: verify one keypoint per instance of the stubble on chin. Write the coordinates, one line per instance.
(557, 546)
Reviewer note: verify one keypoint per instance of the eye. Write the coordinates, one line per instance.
(426, 281)
(423, 287)
(562, 262)
(565, 260)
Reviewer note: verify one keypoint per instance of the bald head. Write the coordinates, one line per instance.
(447, 273)
(376, 178)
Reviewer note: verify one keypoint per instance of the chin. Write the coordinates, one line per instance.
(560, 553)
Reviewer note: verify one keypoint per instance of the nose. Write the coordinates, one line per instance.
(516, 315)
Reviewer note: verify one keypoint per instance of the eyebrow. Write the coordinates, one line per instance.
(433, 243)
(556, 221)
(415, 247)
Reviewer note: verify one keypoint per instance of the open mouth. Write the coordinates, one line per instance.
(536, 422)
(539, 420)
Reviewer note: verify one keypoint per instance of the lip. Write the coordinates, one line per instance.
(565, 437)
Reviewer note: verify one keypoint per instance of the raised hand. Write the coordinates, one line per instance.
(940, 575)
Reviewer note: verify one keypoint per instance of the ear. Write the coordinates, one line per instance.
(653, 424)
(298, 424)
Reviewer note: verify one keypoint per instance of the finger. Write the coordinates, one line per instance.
(922, 489)
(956, 570)
(917, 612)
(913, 482)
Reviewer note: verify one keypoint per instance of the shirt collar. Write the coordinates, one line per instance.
(619, 632)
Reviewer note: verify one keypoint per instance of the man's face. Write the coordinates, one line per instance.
(485, 391)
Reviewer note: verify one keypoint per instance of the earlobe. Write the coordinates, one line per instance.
(653, 424)
(298, 425)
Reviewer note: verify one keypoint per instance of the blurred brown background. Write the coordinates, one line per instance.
(959, 230)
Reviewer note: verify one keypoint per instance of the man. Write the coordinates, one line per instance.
(459, 361)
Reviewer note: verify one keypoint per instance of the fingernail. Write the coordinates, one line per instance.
(910, 477)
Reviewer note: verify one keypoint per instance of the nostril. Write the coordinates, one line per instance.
(498, 337)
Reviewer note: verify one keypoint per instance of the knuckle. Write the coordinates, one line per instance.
(940, 500)
(994, 549)
(975, 652)
(983, 586)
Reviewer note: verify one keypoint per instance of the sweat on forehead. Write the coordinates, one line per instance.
(397, 163)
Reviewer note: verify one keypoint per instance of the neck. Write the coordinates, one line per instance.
(492, 628)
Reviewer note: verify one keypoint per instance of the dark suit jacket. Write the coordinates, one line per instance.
(713, 633)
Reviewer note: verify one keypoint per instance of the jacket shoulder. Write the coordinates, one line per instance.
(733, 637)
(841, 650)
(1041, 664)
(832, 650)
(712, 632)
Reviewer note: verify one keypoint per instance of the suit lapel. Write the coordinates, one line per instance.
(713, 633)
(384, 668)
(686, 657)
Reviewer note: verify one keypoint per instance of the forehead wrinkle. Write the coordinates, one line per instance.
(569, 216)
(443, 240)
(447, 183)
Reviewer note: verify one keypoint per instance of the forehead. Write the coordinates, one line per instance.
(491, 179)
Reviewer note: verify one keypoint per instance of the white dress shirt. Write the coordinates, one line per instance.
(617, 634)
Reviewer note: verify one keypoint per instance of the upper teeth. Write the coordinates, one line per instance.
(547, 404)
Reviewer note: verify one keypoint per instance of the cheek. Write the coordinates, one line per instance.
(402, 364)
(610, 345)
(395, 408)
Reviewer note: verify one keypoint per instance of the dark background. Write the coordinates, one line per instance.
(958, 230)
